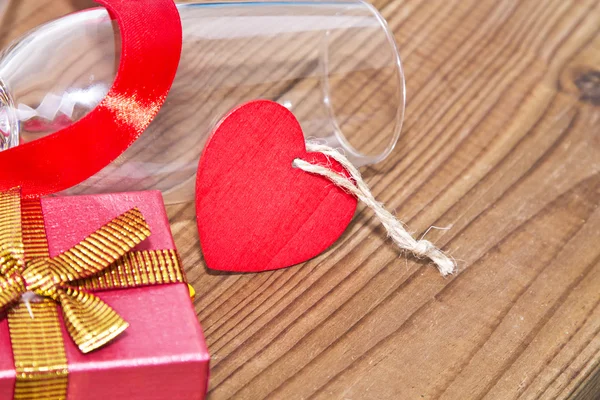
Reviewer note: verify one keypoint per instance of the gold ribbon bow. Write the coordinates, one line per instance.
(90, 322)
(101, 261)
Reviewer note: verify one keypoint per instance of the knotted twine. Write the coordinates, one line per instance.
(357, 187)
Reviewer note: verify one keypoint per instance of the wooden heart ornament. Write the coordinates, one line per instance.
(255, 211)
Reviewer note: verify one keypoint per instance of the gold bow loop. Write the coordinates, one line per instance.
(90, 322)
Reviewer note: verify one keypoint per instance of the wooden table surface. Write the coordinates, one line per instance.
(502, 142)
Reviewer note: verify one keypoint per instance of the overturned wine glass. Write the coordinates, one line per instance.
(335, 64)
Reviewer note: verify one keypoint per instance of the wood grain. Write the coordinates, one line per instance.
(502, 143)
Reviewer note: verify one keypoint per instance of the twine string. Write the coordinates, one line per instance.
(357, 187)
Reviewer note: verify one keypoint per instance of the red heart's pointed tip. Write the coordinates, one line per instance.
(255, 211)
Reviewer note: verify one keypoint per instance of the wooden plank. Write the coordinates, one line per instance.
(501, 143)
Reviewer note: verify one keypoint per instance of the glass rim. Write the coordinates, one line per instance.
(400, 91)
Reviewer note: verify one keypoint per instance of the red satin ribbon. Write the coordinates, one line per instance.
(151, 47)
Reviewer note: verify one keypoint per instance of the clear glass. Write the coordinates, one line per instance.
(334, 64)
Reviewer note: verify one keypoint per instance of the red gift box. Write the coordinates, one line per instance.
(162, 355)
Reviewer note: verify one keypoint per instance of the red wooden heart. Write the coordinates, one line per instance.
(255, 211)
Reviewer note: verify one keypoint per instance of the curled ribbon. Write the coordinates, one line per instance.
(151, 37)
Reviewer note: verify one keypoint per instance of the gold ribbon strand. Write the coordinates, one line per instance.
(38, 349)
